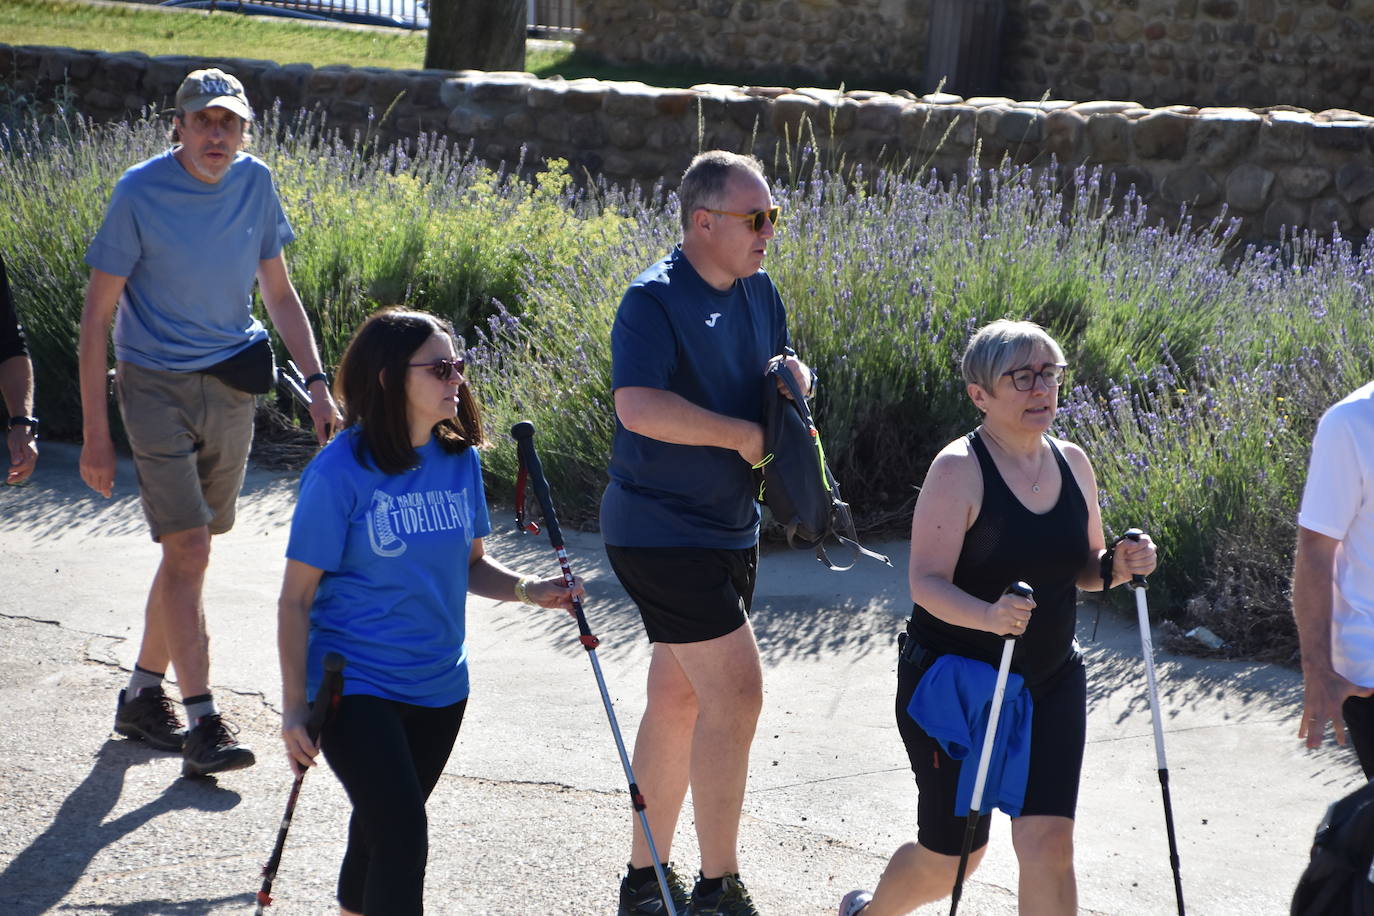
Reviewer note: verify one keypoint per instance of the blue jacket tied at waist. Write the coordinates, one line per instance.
(952, 704)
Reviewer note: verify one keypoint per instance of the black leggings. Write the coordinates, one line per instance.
(388, 755)
(1358, 713)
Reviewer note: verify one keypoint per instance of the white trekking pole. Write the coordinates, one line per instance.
(1138, 585)
(985, 758)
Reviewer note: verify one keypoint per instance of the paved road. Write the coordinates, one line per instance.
(531, 815)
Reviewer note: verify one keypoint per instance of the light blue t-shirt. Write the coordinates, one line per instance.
(394, 549)
(189, 251)
(675, 332)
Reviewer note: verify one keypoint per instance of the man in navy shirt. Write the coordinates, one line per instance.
(690, 347)
(185, 236)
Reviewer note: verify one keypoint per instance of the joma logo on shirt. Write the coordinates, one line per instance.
(711, 322)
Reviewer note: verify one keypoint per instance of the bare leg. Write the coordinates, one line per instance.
(916, 876)
(704, 702)
(1044, 852)
(727, 677)
(174, 618)
(662, 753)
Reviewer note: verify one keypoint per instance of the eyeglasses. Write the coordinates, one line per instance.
(755, 219)
(1023, 379)
(443, 369)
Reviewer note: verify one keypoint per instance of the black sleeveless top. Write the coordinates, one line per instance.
(1008, 543)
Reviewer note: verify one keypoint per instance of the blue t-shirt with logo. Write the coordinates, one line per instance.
(394, 550)
(189, 251)
(675, 332)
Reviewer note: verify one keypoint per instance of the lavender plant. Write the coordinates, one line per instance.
(1199, 370)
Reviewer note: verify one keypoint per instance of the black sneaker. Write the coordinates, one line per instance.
(731, 900)
(648, 900)
(210, 748)
(151, 718)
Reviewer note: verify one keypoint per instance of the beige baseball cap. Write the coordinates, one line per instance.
(213, 89)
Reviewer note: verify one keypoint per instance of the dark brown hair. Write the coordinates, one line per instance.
(371, 389)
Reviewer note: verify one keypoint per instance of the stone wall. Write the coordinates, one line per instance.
(1271, 167)
(1310, 53)
(799, 41)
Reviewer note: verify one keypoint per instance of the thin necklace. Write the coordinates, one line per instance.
(1039, 468)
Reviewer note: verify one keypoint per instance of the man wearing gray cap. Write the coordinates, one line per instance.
(172, 268)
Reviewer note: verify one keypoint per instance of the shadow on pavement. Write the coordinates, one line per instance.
(56, 500)
(41, 875)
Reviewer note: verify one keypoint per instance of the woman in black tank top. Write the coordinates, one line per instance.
(1005, 503)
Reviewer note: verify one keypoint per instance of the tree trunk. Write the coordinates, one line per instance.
(476, 35)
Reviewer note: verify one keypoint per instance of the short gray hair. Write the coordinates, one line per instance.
(706, 177)
(1000, 346)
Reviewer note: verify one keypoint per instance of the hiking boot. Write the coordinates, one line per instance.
(151, 718)
(211, 748)
(854, 902)
(731, 900)
(648, 900)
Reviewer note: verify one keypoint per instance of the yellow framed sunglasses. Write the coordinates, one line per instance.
(755, 219)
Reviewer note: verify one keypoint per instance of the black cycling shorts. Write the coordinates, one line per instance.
(1059, 728)
(688, 594)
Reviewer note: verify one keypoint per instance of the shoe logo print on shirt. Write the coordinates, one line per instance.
(394, 518)
(711, 322)
(385, 542)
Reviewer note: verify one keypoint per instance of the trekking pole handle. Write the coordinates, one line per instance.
(1133, 535)
(1021, 590)
(523, 434)
(330, 688)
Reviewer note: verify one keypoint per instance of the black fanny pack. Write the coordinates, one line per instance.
(252, 369)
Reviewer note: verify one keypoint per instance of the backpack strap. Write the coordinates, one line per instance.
(846, 535)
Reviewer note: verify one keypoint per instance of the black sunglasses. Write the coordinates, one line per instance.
(443, 369)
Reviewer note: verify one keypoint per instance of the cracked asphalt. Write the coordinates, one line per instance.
(531, 816)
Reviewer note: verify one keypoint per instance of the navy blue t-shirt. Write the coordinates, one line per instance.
(675, 332)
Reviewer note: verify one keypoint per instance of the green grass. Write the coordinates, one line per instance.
(138, 27)
(154, 31)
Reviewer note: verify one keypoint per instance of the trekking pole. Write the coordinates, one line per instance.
(325, 702)
(523, 433)
(1138, 585)
(985, 758)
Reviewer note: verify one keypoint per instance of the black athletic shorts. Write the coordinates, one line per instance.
(688, 594)
(1358, 713)
(1059, 728)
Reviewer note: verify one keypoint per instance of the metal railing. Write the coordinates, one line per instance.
(553, 18)
(546, 18)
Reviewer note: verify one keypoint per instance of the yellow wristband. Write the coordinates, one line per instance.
(522, 586)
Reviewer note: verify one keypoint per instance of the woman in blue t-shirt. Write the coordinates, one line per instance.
(385, 514)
